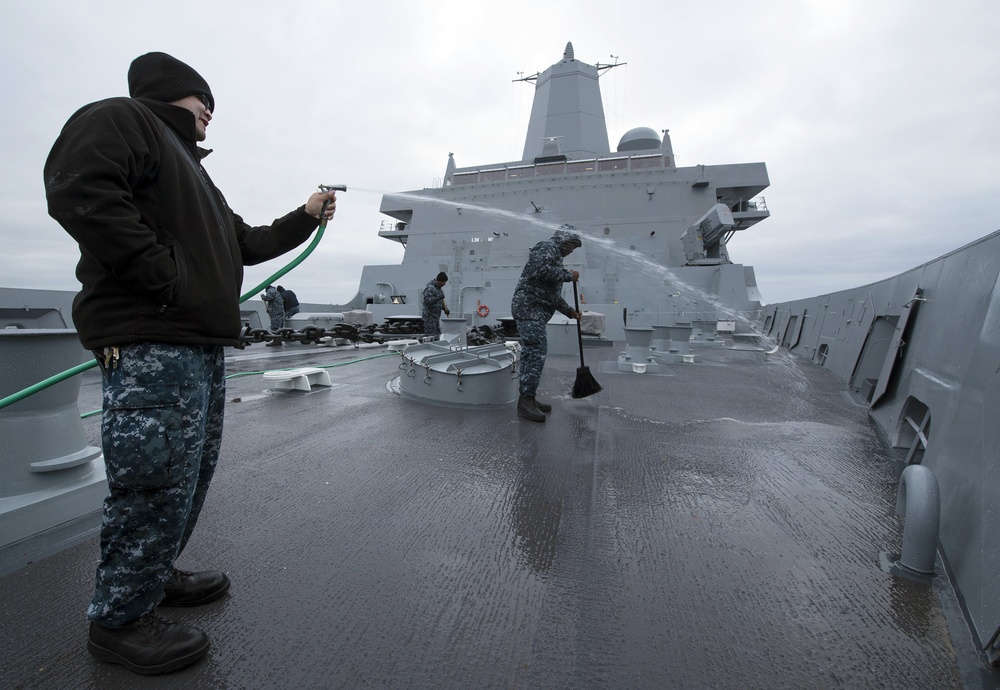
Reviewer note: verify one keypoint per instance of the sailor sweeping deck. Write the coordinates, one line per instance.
(537, 297)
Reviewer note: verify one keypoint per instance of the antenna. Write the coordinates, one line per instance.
(601, 68)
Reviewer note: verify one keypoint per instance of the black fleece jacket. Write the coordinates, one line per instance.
(161, 252)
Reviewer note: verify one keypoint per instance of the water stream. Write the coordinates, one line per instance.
(544, 229)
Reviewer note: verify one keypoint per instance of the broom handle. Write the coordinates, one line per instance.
(579, 330)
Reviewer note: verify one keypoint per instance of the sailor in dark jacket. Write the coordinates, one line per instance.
(289, 301)
(432, 304)
(537, 296)
(161, 267)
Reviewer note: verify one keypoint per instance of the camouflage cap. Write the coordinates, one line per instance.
(565, 236)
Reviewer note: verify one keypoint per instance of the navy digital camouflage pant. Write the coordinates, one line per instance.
(534, 345)
(161, 431)
(432, 323)
(277, 318)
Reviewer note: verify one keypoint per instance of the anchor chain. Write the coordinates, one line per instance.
(371, 333)
(309, 334)
(386, 332)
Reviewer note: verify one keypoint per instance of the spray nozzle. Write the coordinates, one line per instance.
(329, 188)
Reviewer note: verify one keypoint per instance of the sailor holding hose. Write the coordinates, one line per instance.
(161, 267)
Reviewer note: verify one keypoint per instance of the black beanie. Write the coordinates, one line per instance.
(442, 277)
(165, 78)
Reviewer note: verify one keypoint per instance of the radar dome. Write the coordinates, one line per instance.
(639, 139)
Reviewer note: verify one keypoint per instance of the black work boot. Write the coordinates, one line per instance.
(544, 407)
(527, 408)
(150, 646)
(194, 589)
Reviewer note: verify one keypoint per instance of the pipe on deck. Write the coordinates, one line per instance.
(918, 501)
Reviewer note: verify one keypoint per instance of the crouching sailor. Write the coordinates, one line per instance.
(537, 296)
(161, 266)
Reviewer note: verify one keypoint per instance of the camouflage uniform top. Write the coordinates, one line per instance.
(273, 302)
(538, 294)
(432, 301)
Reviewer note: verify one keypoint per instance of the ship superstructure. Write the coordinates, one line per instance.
(654, 234)
(809, 501)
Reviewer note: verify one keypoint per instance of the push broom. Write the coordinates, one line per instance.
(585, 383)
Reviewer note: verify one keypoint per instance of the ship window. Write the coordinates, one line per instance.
(549, 169)
(581, 166)
(522, 171)
(613, 164)
(466, 178)
(639, 162)
(494, 175)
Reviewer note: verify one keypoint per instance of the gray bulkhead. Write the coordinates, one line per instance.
(922, 349)
(632, 209)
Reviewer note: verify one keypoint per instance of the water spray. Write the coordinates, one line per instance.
(642, 263)
(327, 188)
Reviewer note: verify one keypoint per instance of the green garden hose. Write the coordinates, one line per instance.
(80, 368)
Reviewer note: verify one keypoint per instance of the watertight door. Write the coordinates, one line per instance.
(892, 356)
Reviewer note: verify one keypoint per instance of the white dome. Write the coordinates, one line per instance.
(639, 139)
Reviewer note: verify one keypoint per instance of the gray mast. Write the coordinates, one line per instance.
(567, 108)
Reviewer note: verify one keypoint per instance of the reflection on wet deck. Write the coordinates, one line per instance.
(720, 524)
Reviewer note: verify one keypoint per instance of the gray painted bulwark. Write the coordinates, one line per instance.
(941, 384)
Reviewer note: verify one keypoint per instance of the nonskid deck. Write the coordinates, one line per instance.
(720, 524)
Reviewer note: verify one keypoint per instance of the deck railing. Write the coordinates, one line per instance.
(569, 167)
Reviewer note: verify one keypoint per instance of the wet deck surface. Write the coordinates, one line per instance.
(719, 525)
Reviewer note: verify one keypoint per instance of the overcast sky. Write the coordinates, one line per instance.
(877, 119)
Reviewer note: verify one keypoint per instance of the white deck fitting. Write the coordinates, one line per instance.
(400, 345)
(302, 379)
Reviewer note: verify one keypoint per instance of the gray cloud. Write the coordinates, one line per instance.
(875, 119)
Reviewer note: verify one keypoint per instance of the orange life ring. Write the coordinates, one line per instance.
(483, 311)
